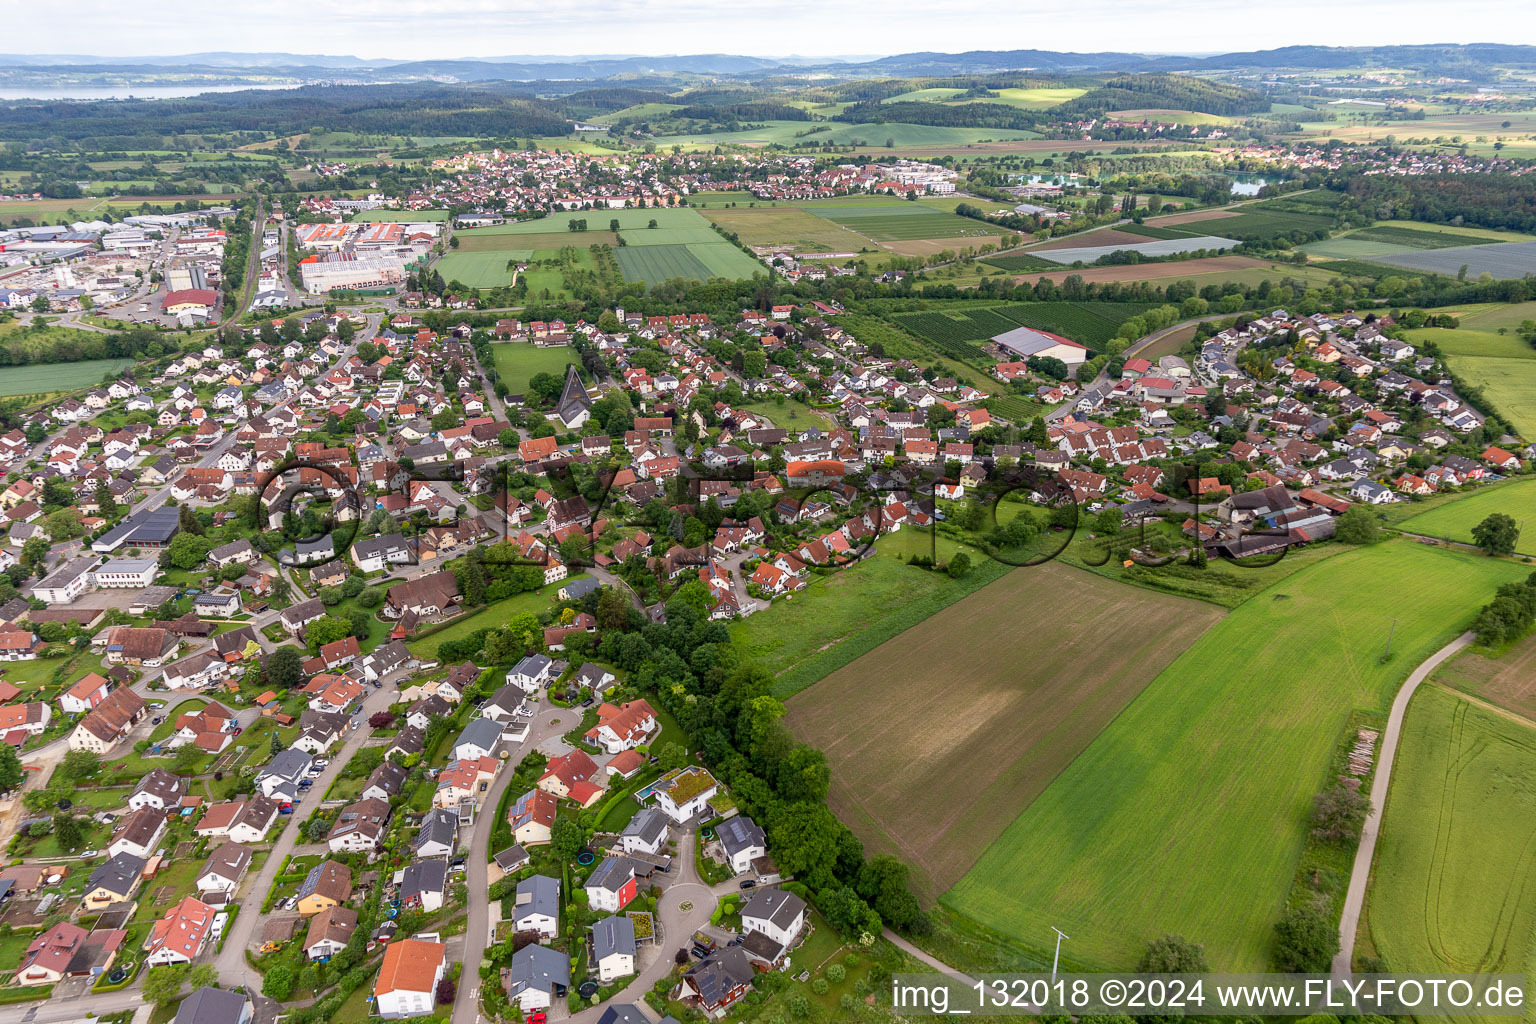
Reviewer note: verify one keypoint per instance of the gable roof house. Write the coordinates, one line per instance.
(536, 907)
(329, 932)
(537, 976)
(113, 881)
(108, 722)
(408, 977)
(328, 884)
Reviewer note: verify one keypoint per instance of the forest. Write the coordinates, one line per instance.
(422, 109)
(1484, 200)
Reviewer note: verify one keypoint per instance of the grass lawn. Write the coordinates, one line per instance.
(1204, 783)
(48, 378)
(1449, 887)
(491, 615)
(790, 415)
(517, 362)
(847, 613)
(1468, 341)
(1454, 520)
(476, 269)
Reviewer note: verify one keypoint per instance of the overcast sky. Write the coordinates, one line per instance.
(412, 29)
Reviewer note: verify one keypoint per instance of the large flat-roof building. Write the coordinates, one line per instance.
(151, 528)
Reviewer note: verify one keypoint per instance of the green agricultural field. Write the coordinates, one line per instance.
(477, 269)
(791, 133)
(1506, 315)
(843, 615)
(1479, 343)
(474, 241)
(900, 221)
(1454, 519)
(1450, 886)
(782, 225)
(959, 333)
(52, 378)
(1509, 384)
(1347, 247)
(652, 264)
(517, 362)
(1041, 98)
(1203, 784)
(678, 219)
(400, 216)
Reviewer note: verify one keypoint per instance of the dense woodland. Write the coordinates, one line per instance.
(1485, 200)
(383, 109)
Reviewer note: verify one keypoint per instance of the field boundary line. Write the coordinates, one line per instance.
(1487, 706)
(1360, 875)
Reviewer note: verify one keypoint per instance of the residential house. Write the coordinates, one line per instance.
(408, 977)
(536, 907)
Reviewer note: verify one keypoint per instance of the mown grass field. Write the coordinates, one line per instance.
(790, 415)
(1455, 873)
(968, 694)
(1509, 384)
(491, 616)
(52, 378)
(477, 269)
(474, 241)
(1503, 365)
(786, 225)
(1188, 813)
(846, 613)
(517, 362)
(1455, 520)
(900, 221)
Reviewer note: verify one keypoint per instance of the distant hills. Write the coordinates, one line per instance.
(1466, 60)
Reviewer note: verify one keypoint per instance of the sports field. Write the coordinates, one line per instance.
(478, 269)
(517, 362)
(52, 378)
(1188, 813)
(970, 695)
(1454, 884)
(1454, 520)
(699, 261)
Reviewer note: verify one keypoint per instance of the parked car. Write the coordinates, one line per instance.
(747, 883)
(157, 720)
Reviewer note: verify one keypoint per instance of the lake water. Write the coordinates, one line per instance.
(122, 92)
(1247, 184)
